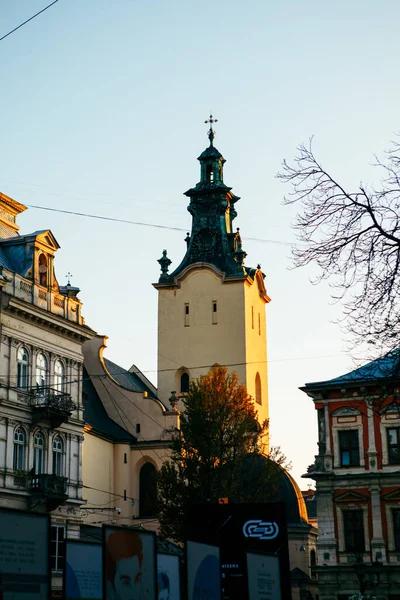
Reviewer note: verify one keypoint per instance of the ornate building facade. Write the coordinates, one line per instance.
(357, 475)
(41, 366)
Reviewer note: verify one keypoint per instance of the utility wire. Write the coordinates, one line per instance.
(27, 21)
(143, 224)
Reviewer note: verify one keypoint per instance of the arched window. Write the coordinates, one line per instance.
(258, 389)
(41, 371)
(148, 491)
(59, 376)
(19, 461)
(38, 453)
(313, 560)
(22, 368)
(43, 270)
(58, 455)
(185, 382)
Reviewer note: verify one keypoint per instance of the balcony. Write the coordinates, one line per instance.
(51, 405)
(51, 489)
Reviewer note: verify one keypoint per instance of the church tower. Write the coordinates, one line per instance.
(211, 308)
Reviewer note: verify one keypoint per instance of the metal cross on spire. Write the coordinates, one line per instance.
(211, 134)
(68, 277)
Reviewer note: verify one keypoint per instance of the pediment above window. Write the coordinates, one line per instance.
(351, 496)
(346, 411)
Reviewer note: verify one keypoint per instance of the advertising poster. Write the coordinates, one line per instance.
(24, 556)
(168, 577)
(263, 577)
(82, 577)
(129, 564)
(203, 572)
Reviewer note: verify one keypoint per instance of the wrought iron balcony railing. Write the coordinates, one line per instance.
(48, 485)
(51, 405)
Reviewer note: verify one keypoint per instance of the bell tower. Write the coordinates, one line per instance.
(211, 308)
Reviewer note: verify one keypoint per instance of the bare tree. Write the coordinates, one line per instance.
(354, 237)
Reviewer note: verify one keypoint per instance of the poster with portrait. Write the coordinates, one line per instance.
(129, 564)
(263, 576)
(24, 555)
(203, 571)
(168, 577)
(82, 573)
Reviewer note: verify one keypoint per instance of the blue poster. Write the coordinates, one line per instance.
(168, 577)
(203, 572)
(83, 571)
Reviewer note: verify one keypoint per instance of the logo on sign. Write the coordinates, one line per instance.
(263, 530)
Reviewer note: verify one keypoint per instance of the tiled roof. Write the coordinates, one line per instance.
(385, 367)
(126, 379)
(96, 415)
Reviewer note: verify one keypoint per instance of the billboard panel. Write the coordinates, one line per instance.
(24, 556)
(168, 577)
(203, 572)
(263, 577)
(129, 564)
(82, 574)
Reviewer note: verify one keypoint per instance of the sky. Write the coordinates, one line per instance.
(102, 110)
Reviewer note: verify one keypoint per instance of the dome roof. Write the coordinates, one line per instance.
(279, 486)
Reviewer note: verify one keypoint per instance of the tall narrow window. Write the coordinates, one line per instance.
(214, 312)
(258, 389)
(57, 547)
(41, 371)
(259, 324)
(38, 453)
(43, 270)
(393, 438)
(184, 382)
(19, 462)
(59, 376)
(148, 491)
(252, 317)
(396, 528)
(22, 368)
(58, 455)
(187, 323)
(349, 448)
(353, 521)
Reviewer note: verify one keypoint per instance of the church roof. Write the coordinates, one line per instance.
(126, 379)
(384, 368)
(95, 415)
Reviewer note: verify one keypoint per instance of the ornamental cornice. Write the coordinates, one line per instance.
(50, 320)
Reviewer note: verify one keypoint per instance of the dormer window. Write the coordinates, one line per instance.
(43, 270)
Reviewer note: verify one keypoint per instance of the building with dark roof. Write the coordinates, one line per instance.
(357, 475)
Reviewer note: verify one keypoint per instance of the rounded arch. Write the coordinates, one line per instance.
(42, 370)
(148, 490)
(59, 375)
(20, 438)
(39, 447)
(22, 367)
(182, 380)
(258, 388)
(58, 447)
(43, 270)
(313, 558)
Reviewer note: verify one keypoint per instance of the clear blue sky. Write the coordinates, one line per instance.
(102, 107)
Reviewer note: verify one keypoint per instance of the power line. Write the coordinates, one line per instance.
(27, 21)
(143, 224)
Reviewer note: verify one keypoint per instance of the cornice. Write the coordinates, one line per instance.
(49, 320)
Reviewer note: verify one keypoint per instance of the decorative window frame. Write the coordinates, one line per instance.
(340, 526)
(45, 448)
(353, 422)
(25, 445)
(34, 367)
(23, 346)
(58, 434)
(390, 525)
(384, 425)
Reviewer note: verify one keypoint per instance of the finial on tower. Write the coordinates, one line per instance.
(211, 133)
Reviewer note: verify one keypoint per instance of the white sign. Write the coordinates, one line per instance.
(263, 577)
